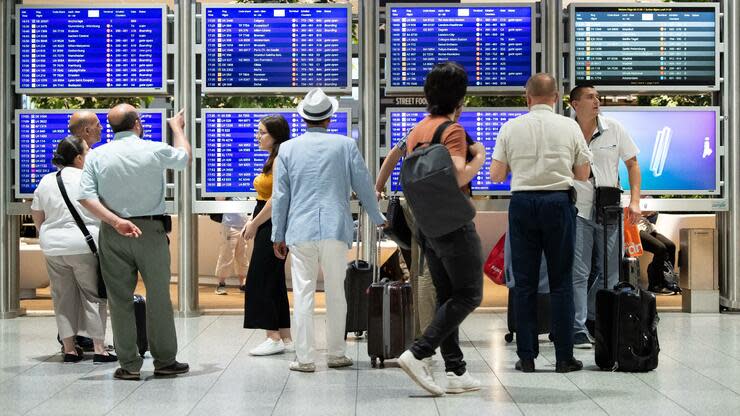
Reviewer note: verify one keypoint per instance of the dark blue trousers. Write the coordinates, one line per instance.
(543, 221)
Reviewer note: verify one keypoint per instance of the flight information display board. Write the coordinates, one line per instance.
(494, 43)
(112, 49)
(233, 157)
(277, 48)
(634, 47)
(670, 141)
(482, 124)
(38, 132)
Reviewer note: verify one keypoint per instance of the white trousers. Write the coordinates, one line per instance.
(306, 258)
(234, 253)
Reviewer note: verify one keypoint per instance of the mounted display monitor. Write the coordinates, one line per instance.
(678, 148)
(495, 43)
(91, 50)
(277, 48)
(233, 157)
(38, 132)
(482, 124)
(645, 47)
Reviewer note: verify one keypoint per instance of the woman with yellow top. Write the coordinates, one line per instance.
(266, 302)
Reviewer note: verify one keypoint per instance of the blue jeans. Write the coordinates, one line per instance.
(543, 221)
(588, 268)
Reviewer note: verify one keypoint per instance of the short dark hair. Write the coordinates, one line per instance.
(445, 87)
(67, 150)
(315, 123)
(126, 123)
(577, 92)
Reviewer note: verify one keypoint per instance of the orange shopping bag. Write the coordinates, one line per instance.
(632, 243)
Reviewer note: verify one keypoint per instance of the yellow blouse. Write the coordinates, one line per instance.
(263, 185)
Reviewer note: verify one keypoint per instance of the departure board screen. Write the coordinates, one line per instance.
(91, 49)
(233, 157)
(671, 140)
(639, 47)
(494, 43)
(481, 124)
(38, 132)
(277, 48)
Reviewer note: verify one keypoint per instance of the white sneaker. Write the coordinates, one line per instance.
(461, 384)
(338, 362)
(221, 289)
(429, 361)
(289, 346)
(419, 372)
(303, 367)
(269, 347)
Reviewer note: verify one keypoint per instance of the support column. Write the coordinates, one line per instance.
(187, 282)
(9, 225)
(552, 55)
(369, 87)
(729, 224)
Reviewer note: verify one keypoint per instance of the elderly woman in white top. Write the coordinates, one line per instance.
(71, 265)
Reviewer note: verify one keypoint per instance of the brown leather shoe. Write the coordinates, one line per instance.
(123, 374)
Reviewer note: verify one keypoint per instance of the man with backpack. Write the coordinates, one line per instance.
(435, 175)
(544, 152)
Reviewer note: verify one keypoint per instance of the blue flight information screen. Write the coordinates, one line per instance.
(89, 48)
(233, 157)
(481, 125)
(493, 43)
(40, 132)
(646, 46)
(277, 48)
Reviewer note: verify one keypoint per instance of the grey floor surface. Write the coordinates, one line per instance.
(699, 374)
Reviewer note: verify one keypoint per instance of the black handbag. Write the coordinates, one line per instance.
(606, 197)
(397, 229)
(102, 292)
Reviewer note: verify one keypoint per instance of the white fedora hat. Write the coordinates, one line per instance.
(317, 106)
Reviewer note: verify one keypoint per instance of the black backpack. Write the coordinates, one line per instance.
(431, 189)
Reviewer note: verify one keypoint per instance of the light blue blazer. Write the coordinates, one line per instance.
(313, 177)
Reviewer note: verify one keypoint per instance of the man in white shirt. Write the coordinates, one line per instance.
(544, 152)
(609, 142)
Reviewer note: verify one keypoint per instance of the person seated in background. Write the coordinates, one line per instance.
(661, 276)
(72, 267)
(234, 250)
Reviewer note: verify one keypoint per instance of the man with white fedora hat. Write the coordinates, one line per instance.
(314, 175)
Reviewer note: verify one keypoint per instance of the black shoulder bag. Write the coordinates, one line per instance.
(102, 292)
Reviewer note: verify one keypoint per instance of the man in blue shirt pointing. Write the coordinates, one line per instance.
(315, 174)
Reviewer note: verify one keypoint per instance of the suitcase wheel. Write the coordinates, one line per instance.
(509, 337)
(373, 362)
(359, 334)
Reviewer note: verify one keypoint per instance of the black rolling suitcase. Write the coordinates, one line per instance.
(543, 315)
(390, 322)
(358, 279)
(626, 317)
(140, 316)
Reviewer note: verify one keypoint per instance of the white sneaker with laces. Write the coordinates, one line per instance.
(289, 346)
(419, 372)
(303, 367)
(269, 347)
(461, 384)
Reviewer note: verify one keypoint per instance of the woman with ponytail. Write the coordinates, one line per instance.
(266, 302)
(72, 267)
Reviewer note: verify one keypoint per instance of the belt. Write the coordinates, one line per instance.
(555, 191)
(148, 217)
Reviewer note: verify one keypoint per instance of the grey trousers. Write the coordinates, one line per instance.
(74, 292)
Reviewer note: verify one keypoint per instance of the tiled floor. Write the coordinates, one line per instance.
(699, 374)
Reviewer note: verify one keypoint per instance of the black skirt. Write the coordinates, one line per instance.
(266, 300)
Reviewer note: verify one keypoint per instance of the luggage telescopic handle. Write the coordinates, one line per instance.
(376, 255)
(605, 216)
(359, 230)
